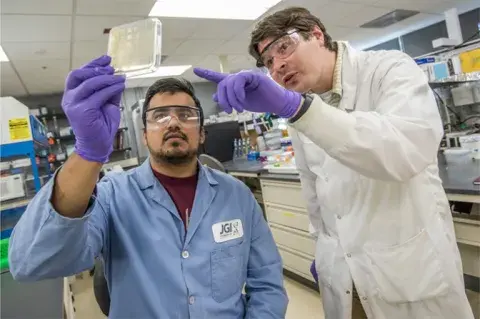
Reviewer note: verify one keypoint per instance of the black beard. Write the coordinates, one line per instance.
(173, 158)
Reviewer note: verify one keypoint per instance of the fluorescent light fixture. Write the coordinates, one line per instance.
(212, 9)
(3, 56)
(164, 71)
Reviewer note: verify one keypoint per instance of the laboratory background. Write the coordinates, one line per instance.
(42, 40)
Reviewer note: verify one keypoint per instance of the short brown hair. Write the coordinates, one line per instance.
(280, 22)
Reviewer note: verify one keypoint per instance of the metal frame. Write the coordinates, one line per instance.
(24, 149)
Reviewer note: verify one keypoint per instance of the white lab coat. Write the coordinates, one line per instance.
(375, 200)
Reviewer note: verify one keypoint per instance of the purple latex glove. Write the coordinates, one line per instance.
(313, 271)
(251, 91)
(91, 102)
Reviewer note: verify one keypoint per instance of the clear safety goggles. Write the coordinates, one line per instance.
(280, 48)
(159, 117)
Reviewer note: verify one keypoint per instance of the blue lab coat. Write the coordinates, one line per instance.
(154, 268)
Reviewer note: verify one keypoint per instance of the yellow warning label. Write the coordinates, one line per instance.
(18, 129)
(470, 61)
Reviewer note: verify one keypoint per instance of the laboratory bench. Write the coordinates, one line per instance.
(51, 298)
(286, 212)
(42, 299)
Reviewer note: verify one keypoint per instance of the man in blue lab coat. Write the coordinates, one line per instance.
(178, 240)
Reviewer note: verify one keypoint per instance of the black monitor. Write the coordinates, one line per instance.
(219, 139)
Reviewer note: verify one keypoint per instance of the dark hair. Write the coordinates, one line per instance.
(170, 85)
(280, 22)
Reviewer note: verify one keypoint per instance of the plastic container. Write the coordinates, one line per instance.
(476, 92)
(261, 144)
(270, 153)
(274, 143)
(5, 166)
(4, 253)
(462, 95)
(283, 163)
(12, 187)
(476, 97)
(456, 155)
(136, 47)
(471, 143)
(275, 134)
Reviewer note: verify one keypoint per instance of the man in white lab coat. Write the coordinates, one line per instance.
(366, 129)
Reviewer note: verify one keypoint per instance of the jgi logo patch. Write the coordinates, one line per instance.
(228, 230)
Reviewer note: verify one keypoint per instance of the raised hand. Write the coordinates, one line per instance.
(91, 102)
(251, 91)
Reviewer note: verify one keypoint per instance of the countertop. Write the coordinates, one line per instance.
(15, 203)
(457, 176)
(243, 166)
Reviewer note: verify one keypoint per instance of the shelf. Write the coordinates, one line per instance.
(15, 203)
(439, 84)
(20, 148)
(28, 179)
(50, 116)
(41, 143)
(66, 138)
(466, 105)
(127, 163)
(58, 163)
(72, 137)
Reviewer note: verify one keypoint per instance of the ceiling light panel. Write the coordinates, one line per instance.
(3, 56)
(212, 9)
(389, 19)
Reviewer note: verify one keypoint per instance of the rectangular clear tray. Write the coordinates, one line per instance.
(136, 47)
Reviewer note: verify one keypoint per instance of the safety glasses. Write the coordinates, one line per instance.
(159, 117)
(280, 48)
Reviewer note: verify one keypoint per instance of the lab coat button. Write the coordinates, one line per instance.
(364, 298)
(347, 292)
(339, 217)
(191, 300)
(185, 254)
(349, 255)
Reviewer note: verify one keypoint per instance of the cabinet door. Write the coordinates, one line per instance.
(296, 263)
(287, 216)
(295, 240)
(283, 193)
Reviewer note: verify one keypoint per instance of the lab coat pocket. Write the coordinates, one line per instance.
(226, 266)
(409, 272)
